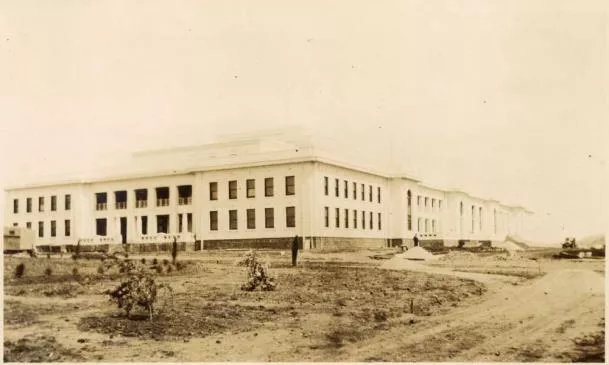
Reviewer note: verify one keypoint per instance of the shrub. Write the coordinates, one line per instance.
(48, 271)
(143, 260)
(165, 262)
(75, 271)
(155, 261)
(159, 269)
(20, 270)
(257, 274)
(180, 266)
(169, 269)
(101, 269)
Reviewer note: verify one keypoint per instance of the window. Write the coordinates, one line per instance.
(326, 185)
(232, 189)
(363, 220)
(232, 219)
(101, 226)
(354, 191)
(213, 191)
(290, 188)
(15, 206)
(354, 218)
(290, 217)
(101, 200)
(433, 226)
(162, 223)
(269, 217)
(189, 222)
(433, 203)
(120, 199)
(439, 205)
(213, 220)
(268, 186)
(67, 202)
(426, 201)
(418, 200)
(473, 212)
(53, 203)
(251, 218)
(409, 204)
(40, 229)
(53, 228)
(184, 195)
(250, 185)
(370, 192)
(162, 198)
(346, 189)
(371, 223)
(336, 188)
(337, 217)
(28, 225)
(28, 205)
(379, 220)
(326, 217)
(41, 204)
(363, 192)
(480, 217)
(426, 224)
(378, 194)
(346, 218)
(141, 198)
(419, 225)
(66, 228)
(144, 224)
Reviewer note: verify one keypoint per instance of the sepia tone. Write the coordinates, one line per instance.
(408, 181)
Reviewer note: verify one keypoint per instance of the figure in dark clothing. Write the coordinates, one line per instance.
(416, 241)
(294, 250)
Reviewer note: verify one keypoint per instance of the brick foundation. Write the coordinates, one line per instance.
(347, 243)
(280, 243)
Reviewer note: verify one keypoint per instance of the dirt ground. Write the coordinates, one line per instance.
(356, 306)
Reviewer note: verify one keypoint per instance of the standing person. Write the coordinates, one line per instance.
(416, 240)
(294, 250)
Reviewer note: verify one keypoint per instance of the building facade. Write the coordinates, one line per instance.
(254, 192)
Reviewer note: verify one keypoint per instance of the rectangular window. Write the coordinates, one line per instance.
(232, 189)
(28, 205)
(120, 199)
(40, 229)
(363, 220)
(346, 218)
(213, 220)
(290, 217)
(480, 217)
(250, 185)
(232, 219)
(189, 222)
(15, 206)
(28, 225)
(354, 218)
(419, 225)
(326, 188)
(66, 228)
(433, 203)
(268, 186)
(184, 195)
(370, 192)
(67, 202)
(426, 201)
(371, 222)
(378, 194)
(213, 191)
(354, 191)
(326, 217)
(363, 192)
(53, 203)
(269, 217)
(251, 218)
(101, 226)
(433, 226)
(337, 218)
(162, 197)
(144, 224)
(346, 189)
(336, 188)
(409, 222)
(41, 204)
(290, 188)
(378, 219)
(162, 223)
(439, 205)
(418, 200)
(141, 198)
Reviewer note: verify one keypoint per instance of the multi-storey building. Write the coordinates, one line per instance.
(254, 192)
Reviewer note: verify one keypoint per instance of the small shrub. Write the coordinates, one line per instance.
(48, 271)
(165, 262)
(159, 269)
(75, 271)
(143, 260)
(20, 270)
(180, 266)
(155, 261)
(101, 270)
(169, 269)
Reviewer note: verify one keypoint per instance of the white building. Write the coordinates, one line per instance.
(257, 191)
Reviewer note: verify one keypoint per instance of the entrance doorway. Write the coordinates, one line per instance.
(123, 229)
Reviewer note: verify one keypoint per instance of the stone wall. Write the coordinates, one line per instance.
(280, 243)
(348, 243)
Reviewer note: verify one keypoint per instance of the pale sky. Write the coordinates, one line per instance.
(506, 99)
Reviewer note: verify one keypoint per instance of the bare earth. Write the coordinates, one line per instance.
(333, 307)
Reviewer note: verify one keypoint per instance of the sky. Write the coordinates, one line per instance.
(506, 99)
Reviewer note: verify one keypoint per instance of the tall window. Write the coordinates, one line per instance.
(290, 188)
(162, 197)
(269, 217)
(337, 217)
(144, 224)
(101, 226)
(419, 225)
(363, 188)
(290, 217)
(251, 188)
(67, 202)
(251, 218)
(232, 189)
(66, 228)
(41, 204)
(28, 225)
(363, 220)
(370, 192)
(371, 222)
(426, 201)
(426, 225)
(326, 185)
(40, 229)
(354, 218)
(184, 195)
(141, 198)
(268, 186)
(354, 191)
(53, 203)
(336, 188)
(232, 219)
(15, 206)
(378, 194)
(378, 219)
(120, 199)
(480, 217)
(433, 226)
(213, 220)
(213, 191)
(439, 205)
(346, 189)
(346, 218)
(326, 217)
(409, 204)
(473, 213)
(28, 205)
(433, 204)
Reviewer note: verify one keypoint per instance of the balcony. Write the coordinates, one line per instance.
(121, 205)
(185, 200)
(162, 202)
(101, 206)
(141, 203)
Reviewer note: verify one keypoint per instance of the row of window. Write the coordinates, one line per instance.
(427, 203)
(67, 229)
(354, 185)
(269, 218)
(250, 187)
(67, 205)
(427, 225)
(141, 197)
(355, 218)
(473, 217)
